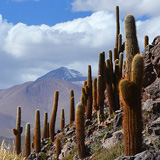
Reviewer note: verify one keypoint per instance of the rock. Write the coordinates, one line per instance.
(146, 155)
(117, 121)
(107, 135)
(116, 138)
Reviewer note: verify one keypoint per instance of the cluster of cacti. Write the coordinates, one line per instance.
(18, 131)
(93, 96)
(53, 117)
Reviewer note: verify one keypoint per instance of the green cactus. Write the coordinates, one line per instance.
(17, 132)
(117, 26)
(72, 108)
(27, 141)
(58, 147)
(80, 136)
(37, 132)
(89, 97)
(130, 92)
(45, 127)
(131, 43)
(53, 117)
(62, 119)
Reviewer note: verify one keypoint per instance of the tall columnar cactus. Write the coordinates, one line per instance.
(131, 43)
(146, 41)
(72, 108)
(120, 47)
(115, 54)
(53, 117)
(116, 82)
(94, 90)
(37, 132)
(120, 65)
(17, 132)
(100, 100)
(48, 130)
(45, 127)
(89, 98)
(117, 26)
(109, 86)
(80, 136)
(130, 91)
(58, 147)
(111, 65)
(62, 119)
(27, 141)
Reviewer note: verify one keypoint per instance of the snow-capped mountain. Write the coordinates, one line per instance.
(63, 73)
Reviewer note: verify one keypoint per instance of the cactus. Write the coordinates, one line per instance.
(27, 141)
(120, 47)
(131, 43)
(146, 41)
(100, 100)
(89, 97)
(45, 127)
(17, 132)
(53, 117)
(62, 119)
(117, 26)
(80, 136)
(109, 86)
(58, 147)
(115, 54)
(130, 92)
(94, 90)
(37, 132)
(72, 110)
(120, 64)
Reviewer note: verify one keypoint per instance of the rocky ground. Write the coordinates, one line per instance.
(105, 141)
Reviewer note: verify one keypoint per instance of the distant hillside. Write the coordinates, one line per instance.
(31, 96)
(63, 73)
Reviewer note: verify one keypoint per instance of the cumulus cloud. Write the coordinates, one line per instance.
(27, 52)
(138, 8)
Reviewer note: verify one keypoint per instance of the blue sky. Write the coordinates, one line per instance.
(37, 36)
(32, 12)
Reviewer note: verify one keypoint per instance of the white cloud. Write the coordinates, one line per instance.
(27, 52)
(137, 8)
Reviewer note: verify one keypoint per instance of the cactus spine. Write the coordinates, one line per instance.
(131, 43)
(131, 95)
(89, 97)
(146, 41)
(37, 132)
(72, 110)
(17, 132)
(53, 117)
(45, 128)
(62, 119)
(58, 147)
(27, 141)
(80, 136)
